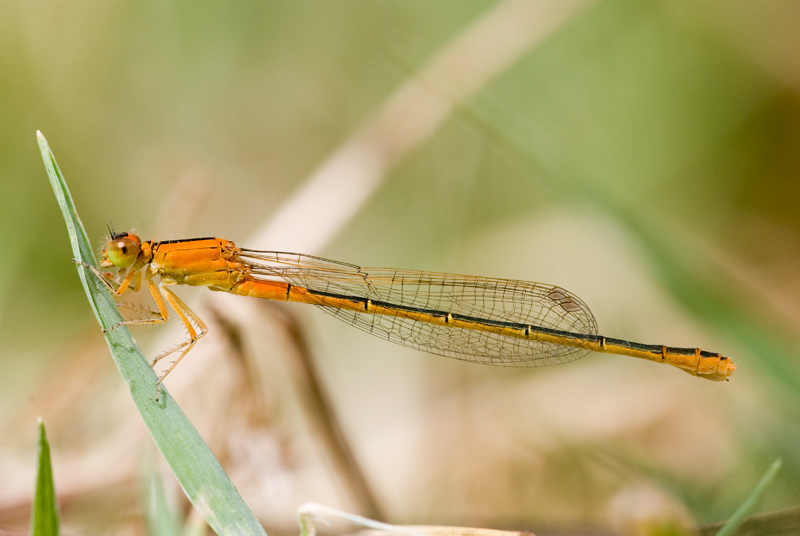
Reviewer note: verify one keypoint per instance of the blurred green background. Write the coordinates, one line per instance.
(643, 155)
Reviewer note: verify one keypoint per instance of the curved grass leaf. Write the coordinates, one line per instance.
(194, 465)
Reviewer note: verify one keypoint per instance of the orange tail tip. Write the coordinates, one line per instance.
(716, 367)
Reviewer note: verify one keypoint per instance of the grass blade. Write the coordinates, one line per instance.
(194, 465)
(161, 518)
(750, 502)
(44, 515)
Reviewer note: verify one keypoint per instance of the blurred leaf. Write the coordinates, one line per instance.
(161, 519)
(749, 504)
(311, 512)
(783, 522)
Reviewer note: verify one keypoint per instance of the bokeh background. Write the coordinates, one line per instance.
(641, 154)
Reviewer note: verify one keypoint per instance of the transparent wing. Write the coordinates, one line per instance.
(502, 300)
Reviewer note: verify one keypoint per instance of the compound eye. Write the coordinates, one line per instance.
(122, 251)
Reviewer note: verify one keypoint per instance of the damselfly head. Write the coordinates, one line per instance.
(121, 251)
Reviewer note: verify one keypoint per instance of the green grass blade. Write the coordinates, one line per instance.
(160, 516)
(194, 465)
(44, 516)
(749, 504)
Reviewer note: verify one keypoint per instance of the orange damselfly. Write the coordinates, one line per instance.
(479, 319)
